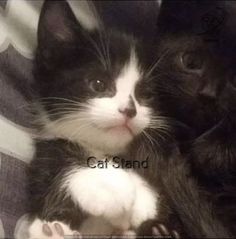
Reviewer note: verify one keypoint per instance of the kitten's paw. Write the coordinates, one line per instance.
(145, 206)
(102, 192)
(156, 229)
(129, 234)
(51, 230)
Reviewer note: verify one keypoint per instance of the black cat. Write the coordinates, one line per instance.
(196, 85)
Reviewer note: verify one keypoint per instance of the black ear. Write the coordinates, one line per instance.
(196, 17)
(62, 29)
(57, 24)
(133, 17)
(61, 25)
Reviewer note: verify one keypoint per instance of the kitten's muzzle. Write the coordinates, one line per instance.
(129, 110)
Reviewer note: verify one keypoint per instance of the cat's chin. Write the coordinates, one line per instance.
(112, 140)
(120, 130)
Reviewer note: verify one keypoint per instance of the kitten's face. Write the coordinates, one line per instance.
(92, 81)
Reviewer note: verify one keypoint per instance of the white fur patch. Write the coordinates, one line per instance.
(126, 82)
(105, 192)
(146, 202)
(121, 197)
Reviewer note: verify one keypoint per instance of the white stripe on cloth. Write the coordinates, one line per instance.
(15, 141)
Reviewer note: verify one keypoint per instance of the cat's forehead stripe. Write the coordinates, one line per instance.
(129, 77)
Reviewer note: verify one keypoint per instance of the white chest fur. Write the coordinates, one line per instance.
(121, 197)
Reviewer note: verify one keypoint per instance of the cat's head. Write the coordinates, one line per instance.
(92, 81)
(195, 74)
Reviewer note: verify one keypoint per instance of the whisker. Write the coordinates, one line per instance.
(101, 57)
(58, 98)
(103, 49)
(108, 50)
(146, 134)
(78, 130)
(155, 64)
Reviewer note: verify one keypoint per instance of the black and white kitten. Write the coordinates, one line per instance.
(96, 98)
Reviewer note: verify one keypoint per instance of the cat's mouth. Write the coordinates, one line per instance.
(120, 128)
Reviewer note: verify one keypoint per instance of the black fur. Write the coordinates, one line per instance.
(200, 183)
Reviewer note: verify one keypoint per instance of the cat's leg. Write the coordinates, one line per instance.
(129, 234)
(146, 201)
(156, 229)
(51, 230)
(145, 211)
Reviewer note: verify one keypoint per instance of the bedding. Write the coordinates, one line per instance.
(18, 25)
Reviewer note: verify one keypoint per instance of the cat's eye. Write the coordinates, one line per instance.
(191, 62)
(98, 85)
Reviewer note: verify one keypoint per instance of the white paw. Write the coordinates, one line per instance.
(51, 230)
(146, 202)
(105, 192)
(129, 234)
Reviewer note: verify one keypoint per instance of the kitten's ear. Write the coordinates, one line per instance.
(59, 25)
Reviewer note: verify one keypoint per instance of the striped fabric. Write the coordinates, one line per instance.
(18, 26)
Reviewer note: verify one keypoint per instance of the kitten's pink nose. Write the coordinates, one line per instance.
(130, 113)
(129, 110)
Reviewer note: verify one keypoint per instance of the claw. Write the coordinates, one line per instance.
(175, 234)
(59, 229)
(163, 229)
(47, 230)
(155, 231)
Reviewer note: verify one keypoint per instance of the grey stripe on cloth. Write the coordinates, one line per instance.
(13, 196)
(15, 81)
(15, 141)
(3, 5)
(17, 44)
(19, 30)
